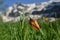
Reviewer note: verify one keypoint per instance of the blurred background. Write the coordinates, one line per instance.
(6, 3)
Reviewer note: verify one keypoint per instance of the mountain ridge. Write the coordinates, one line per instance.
(36, 10)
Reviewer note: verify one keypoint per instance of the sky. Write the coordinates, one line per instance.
(11, 2)
(7, 3)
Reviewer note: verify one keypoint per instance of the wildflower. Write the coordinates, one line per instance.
(46, 19)
(34, 24)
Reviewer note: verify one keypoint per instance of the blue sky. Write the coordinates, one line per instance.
(11, 2)
(8, 3)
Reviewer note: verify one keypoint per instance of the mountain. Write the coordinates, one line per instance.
(55, 0)
(36, 10)
(53, 10)
(17, 8)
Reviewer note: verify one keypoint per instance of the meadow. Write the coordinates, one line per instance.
(22, 30)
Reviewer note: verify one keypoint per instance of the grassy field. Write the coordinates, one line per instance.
(22, 30)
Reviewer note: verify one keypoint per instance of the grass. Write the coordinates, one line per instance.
(22, 30)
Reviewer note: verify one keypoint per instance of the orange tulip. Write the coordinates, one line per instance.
(34, 24)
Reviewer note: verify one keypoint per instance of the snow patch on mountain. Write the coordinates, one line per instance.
(35, 10)
(55, 0)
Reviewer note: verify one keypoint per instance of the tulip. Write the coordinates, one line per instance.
(35, 24)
